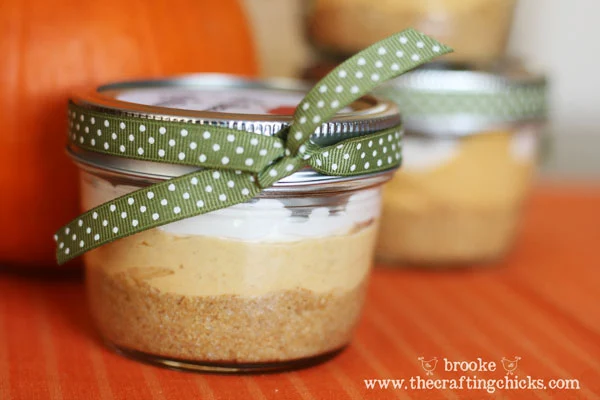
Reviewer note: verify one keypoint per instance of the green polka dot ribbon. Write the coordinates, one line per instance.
(511, 104)
(235, 165)
(460, 102)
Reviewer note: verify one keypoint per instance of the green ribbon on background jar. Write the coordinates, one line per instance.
(237, 165)
(511, 104)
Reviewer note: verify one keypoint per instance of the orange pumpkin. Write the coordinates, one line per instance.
(50, 48)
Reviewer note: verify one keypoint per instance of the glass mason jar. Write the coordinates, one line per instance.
(478, 30)
(469, 154)
(273, 283)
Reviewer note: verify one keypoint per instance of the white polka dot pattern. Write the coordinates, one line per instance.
(174, 142)
(167, 202)
(384, 153)
(238, 164)
(509, 104)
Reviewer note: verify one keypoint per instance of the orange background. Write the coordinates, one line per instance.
(541, 304)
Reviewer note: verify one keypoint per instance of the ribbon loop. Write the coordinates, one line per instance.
(359, 75)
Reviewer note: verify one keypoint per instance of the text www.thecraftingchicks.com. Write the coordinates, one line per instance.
(510, 380)
(472, 383)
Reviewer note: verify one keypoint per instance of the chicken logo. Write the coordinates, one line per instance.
(510, 365)
(428, 365)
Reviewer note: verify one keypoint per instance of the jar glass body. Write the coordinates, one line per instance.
(457, 200)
(477, 29)
(274, 283)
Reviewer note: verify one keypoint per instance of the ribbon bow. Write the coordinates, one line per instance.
(237, 165)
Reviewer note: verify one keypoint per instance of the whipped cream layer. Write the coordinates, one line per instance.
(261, 220)
(424, 153)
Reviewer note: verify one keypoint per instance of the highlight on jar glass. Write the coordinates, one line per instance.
(470, 151)
(477, 29)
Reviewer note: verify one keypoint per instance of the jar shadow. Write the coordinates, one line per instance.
(224, 368)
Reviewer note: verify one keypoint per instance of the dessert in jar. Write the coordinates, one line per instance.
(230, 224)
(477, 29)
(274, 282)
(470, 151)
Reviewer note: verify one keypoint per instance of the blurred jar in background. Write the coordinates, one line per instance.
(469, 153)
(478, 30)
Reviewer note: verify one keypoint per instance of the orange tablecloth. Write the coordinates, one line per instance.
(541, 304)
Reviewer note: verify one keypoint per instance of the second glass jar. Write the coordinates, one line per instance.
(469, 155)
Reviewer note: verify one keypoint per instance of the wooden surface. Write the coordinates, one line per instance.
(541, 304)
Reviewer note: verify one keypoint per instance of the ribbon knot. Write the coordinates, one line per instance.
(237, 165)
(296, 155)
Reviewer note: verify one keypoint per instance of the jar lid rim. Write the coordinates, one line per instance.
(499, 77)
(369, 114)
